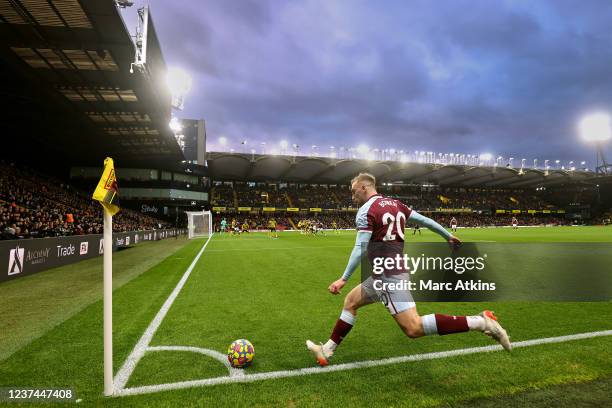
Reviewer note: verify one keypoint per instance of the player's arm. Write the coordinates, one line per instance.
(432, 226)
(363, 237)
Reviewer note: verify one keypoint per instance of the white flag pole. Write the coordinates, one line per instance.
(108, 303)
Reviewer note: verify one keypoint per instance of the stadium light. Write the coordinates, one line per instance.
(175, 125)
(363, 149)
(595, 128)
(222, 140)
(284, 144)
(179, 83)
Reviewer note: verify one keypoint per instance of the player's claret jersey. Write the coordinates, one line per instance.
(384, 217)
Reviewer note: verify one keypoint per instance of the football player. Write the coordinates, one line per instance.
(380, 224)
(453, 224)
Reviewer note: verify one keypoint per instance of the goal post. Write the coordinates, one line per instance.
(199, 224)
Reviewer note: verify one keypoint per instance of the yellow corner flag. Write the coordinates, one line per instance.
(107, 192)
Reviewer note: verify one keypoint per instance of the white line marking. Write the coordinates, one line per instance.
(222, 358)
(351, 366)
(123, 375)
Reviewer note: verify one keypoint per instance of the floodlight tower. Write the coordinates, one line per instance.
(595, 128)
(142, 27)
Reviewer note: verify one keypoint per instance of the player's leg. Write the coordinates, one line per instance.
(355, 299)
(415, 326)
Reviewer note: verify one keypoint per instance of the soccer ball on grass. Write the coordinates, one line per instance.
(240, 353)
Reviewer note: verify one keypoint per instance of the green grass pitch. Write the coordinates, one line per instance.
(274, 293)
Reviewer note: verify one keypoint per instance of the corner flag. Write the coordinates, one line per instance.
(107, 192)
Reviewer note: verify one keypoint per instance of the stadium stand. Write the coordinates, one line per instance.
(35, 206)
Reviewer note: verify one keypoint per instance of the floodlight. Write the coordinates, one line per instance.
(363, 149)
(175, 125)
(178, 80)
(179, 83)
(284, 144)
(595, 127)
(222, 140)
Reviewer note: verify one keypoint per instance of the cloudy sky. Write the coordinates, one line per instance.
(511, 78)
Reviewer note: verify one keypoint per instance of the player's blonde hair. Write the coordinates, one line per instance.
(364, 177)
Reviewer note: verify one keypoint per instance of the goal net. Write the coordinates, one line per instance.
(199, 224)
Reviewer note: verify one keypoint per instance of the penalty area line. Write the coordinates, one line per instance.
(124, 373)
(147, 389)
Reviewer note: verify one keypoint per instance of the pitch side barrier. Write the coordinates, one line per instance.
(28, 256)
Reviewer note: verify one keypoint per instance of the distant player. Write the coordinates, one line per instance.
(514, 223)
(314, 227)
(321, 228)
(453, 224)
(245, 227)
(306, 225)
(272, 227)
(380, 224)
(415, 228)
(335, 227)
(223, 225)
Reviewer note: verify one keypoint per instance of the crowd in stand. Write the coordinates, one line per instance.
(32, 206)
(338, 197)
(314, 197)
(222, 196)
(430, 200)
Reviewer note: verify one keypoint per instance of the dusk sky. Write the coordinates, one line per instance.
(510, 78)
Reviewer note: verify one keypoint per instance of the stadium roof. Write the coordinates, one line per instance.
(319, 170)
(67, 85)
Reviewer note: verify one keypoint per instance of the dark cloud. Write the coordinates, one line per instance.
(508, 77)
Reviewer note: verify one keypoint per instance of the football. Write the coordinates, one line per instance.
(240, 353)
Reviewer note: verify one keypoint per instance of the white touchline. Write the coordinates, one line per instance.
(350, 366)
(123, 375)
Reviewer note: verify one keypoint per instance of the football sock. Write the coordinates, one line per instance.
(341, 329)
(444, 324)
(476, 323)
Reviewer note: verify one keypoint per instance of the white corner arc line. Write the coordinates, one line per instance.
(222, 358)
(123, 375)
(351, 366)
